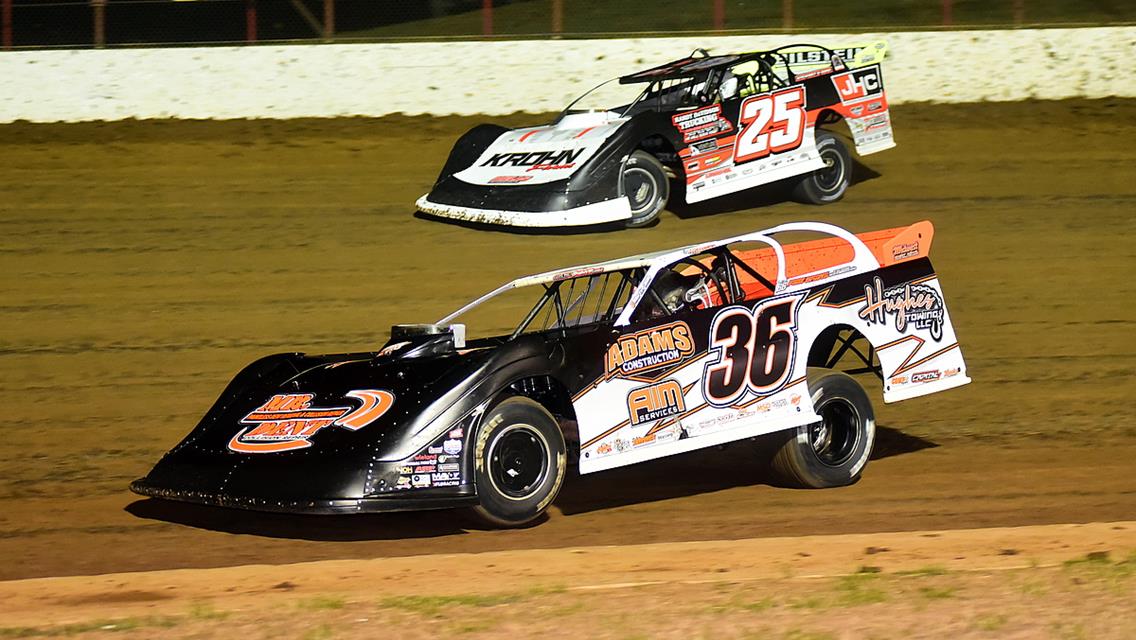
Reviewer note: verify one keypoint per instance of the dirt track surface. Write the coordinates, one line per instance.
(1060, 581)
(145, 263)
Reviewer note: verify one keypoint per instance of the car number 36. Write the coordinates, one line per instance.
(750, 350)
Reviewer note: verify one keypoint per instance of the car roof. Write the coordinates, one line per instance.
(663, 257)
(686, 67)
(655, 260)
(700, 61)
(667, 256)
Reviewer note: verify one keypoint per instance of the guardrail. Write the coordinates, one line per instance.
(118, 23)
(490, 78)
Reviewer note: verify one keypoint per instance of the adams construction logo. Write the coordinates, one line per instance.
(288, 421)
(914, 305)
(650, 348)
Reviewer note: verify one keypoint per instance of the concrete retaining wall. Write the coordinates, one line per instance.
(505, 77)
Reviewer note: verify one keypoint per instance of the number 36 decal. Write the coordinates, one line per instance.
(772, 123)
(750, 350)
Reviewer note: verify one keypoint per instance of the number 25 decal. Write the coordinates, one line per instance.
(771, 123)
(750, 350)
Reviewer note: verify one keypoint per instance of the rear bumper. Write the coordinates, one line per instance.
(418, 500)
(602, 212)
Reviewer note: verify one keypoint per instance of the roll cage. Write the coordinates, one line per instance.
(611, 293)
(694, 80)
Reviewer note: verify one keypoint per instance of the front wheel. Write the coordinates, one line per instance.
(829, 183)
(644, 182)
(834, 451)
(520, 459)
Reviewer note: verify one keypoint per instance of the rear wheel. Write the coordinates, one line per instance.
(645, 184)
(834, 451)
(520, 462)
(829, 183)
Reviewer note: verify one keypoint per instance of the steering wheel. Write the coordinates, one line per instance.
(713, 277)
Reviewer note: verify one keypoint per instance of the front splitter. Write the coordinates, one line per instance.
(597, 213)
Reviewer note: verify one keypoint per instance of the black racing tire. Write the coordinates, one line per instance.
(834, 451)
(520, 459)
(644, 182)
(828, 184)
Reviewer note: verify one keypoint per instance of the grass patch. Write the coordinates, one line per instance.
(811, 602)
(570, 609)
(799, 634)
(937, 593)
(991, 622)
(1099, 567)
(110, 626)
(1034, 589)
(860, 589)
(924, 572)
(1094, 559)
(1070, 631)
(853, 590)
(760, 605)
(435, 606)
(323, 603)
(322, 632)
(472, 626)
(737, 603)
(205, 611)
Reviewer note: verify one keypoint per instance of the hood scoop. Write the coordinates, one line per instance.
(424, 340)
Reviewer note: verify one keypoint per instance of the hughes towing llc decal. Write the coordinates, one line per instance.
(916, 305)
(288, 421)
(649, 349)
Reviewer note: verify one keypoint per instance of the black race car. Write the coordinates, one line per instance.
(720, 124)
(606, 365)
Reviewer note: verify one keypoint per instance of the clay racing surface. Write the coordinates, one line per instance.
(145, 263)
(1059, 581)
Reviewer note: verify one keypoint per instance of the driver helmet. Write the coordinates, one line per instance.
(728, 88)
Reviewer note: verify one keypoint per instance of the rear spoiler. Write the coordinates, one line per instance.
(804, 57)
(888, 246)
(901, 244)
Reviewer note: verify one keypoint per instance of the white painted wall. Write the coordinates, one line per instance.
(504, 77)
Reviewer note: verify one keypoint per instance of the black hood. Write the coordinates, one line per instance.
(277, 432)
(312, 433)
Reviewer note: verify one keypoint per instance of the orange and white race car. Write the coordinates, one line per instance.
(608, 364)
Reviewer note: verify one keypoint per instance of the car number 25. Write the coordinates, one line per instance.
(771, 123)
(750, 350)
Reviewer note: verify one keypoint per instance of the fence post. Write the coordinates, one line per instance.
(1019, 12)
(6, 19)
(486, 17)
(947, 17)
(719, 15)
(786, 14)
(250, 20)
(99, 7)
(328, 19)
(557, 16)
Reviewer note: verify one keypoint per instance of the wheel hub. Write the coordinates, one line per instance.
(831, 176)
(835, 437)
(640, 187)
(518, 461)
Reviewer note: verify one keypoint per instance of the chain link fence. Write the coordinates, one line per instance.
(118, 23)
